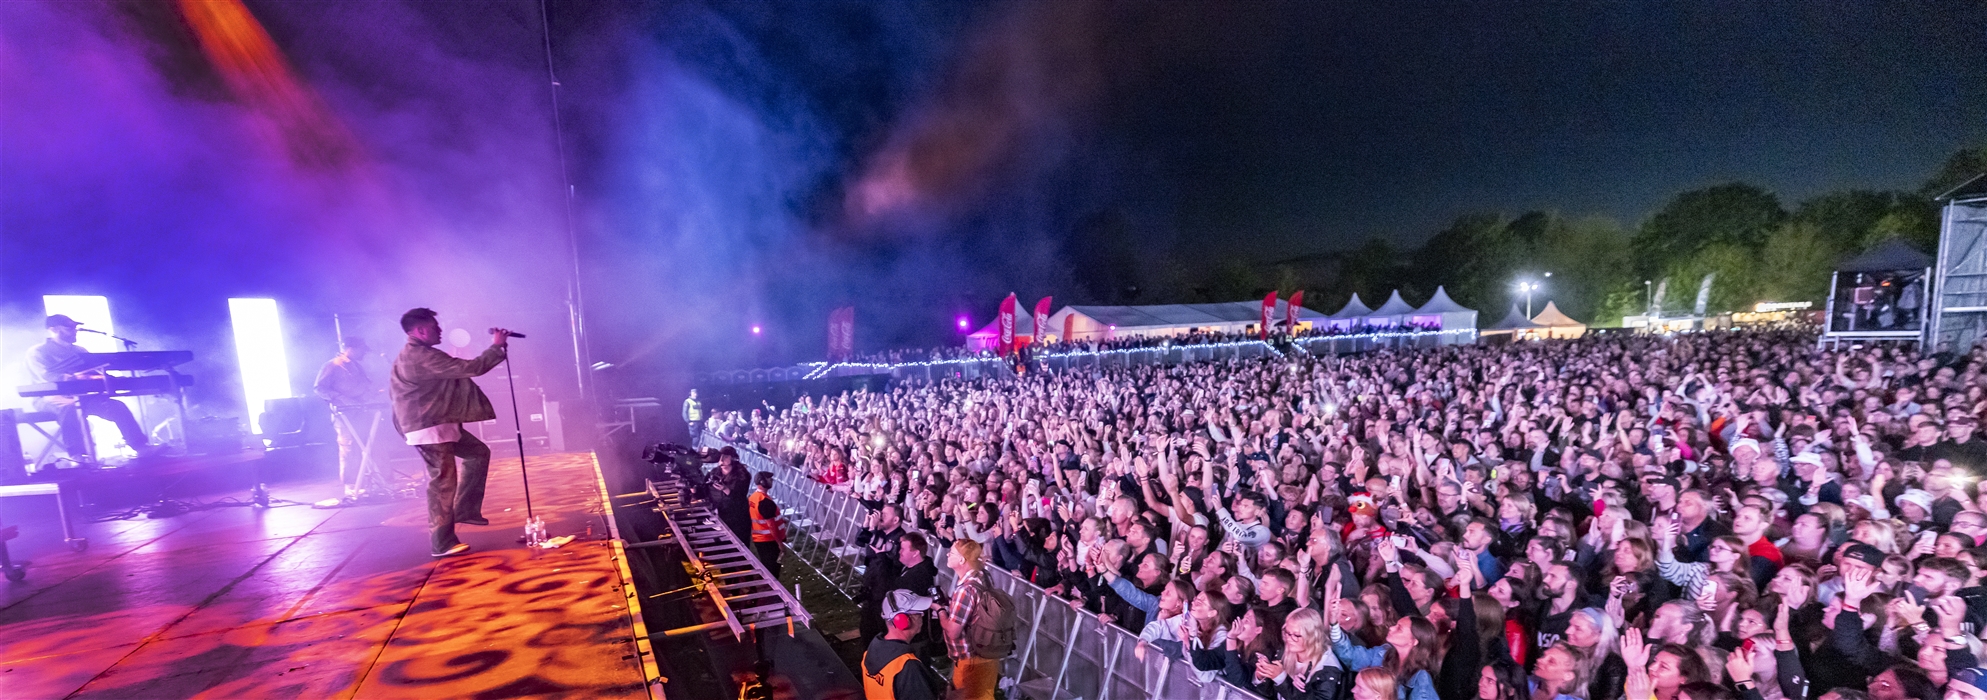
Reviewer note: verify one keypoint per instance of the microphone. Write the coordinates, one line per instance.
(514, 334)
(91, 330)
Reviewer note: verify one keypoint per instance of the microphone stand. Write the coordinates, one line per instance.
(518, 423)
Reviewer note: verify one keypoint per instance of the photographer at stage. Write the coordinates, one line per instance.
(432, 397)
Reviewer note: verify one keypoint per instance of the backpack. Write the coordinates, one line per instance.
(990, 632)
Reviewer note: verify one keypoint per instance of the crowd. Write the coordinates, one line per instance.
(1711, 517)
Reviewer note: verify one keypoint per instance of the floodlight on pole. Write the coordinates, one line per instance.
(265, 369)
(1528, 288)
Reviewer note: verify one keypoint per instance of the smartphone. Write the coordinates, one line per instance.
(1400, 541)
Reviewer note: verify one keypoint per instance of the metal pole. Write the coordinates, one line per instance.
(575, 301)
(518, 423)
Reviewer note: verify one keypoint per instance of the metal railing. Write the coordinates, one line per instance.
(1063, 652)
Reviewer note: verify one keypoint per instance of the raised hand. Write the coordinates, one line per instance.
(1634, 651)
(1857, 585)
(1952, 612)
(1738, 665)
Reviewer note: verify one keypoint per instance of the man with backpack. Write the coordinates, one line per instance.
(979, 625)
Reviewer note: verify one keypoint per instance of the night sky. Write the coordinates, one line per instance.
(763, 162)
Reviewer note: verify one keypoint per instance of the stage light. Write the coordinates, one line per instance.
(92, 312)
(265, 369)
(755, 330)
(962, 323)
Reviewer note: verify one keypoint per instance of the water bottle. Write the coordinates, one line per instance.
(534, 532)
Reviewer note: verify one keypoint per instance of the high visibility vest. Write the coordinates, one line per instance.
(763, 529)
(693, 411)
(883, 685)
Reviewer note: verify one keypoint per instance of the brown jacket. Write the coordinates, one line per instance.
(430, 388)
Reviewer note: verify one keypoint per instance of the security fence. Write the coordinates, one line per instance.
(1062, 653)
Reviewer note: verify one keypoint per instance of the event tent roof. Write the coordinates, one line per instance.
(1168, 315)
(1892, 254)
(1442, 304)
(1395, 306)
(1550, 316)
(1970, 190)
(1514, 321)
(1024, 324)
(1353, 309)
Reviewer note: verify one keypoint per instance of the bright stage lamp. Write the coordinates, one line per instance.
(92, 312)
(265, 369)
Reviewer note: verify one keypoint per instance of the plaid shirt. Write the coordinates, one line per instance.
(965, 596)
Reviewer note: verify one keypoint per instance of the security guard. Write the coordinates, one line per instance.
(891, 669)
(693, 414)
(768, 528)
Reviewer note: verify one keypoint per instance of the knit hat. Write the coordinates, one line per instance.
(1745, 443)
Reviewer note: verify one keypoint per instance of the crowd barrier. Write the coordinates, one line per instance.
(1063, 652)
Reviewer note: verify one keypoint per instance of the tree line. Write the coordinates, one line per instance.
(1760, 249)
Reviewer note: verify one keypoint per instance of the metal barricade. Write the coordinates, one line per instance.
(1064, 651)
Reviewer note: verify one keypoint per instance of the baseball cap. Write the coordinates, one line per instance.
(903, 601)
(59, 320)
(1866, 554)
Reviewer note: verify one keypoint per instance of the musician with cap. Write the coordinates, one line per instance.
(891, 668)
(344, 383)
(59, 359)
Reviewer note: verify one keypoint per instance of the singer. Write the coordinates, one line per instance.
(432, 397)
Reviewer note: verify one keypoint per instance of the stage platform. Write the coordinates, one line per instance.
(294, 602)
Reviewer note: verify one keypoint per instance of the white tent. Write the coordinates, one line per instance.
(1392, 314)
(1558, 325)
(1347, 319)
(988, 336)
(1514, 325)
(1444, 313)
(1084, 323)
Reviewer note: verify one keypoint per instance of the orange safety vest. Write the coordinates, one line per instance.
(883, 685)
(763, 529)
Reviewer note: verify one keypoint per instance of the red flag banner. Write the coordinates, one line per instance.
(1041, 321)
(1269, 312)
(842, 334)
(1296, 302)
(1006, 326)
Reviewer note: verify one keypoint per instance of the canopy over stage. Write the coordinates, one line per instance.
(1879, 295)
(297, 602)
(1085, 323)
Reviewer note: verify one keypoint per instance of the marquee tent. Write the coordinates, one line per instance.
(1392, 314)
(1444, 313)
(1113, 322)
(1347, 319)
(1554, 324)
(1514, 324)
(988, 335)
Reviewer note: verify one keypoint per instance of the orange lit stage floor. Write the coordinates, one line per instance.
(293, 602)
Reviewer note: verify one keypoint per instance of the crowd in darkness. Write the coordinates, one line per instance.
(1711, 516)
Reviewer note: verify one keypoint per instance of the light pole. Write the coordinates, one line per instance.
(1648, 296)
(1528, 288)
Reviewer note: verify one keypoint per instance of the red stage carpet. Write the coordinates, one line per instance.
(301, 603)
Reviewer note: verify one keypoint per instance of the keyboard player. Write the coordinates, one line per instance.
(344, 383)
(59, 359)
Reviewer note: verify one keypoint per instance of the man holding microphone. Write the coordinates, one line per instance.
(432, 397)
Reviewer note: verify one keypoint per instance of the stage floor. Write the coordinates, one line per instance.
(294, 602)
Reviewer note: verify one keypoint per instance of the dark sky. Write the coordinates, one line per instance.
(761, 161)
